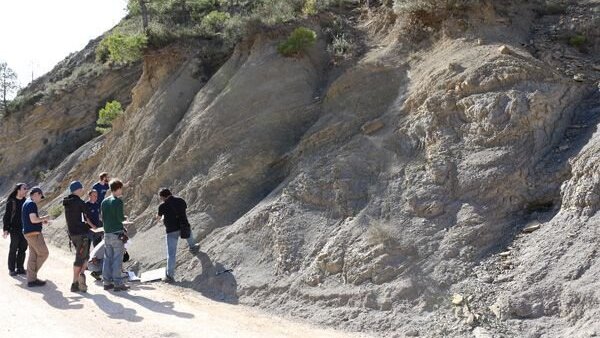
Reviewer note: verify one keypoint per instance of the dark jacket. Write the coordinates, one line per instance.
(12, 215)
(74, 209)
(174, 211)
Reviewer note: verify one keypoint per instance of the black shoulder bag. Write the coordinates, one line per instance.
(185, 230)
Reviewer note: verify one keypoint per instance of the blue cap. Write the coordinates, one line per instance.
(75, 185)
(36, 189)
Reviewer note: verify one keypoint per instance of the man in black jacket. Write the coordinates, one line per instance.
(173, 212)
(14, 227)
(79, 233)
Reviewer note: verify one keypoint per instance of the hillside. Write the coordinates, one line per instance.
(438, 180)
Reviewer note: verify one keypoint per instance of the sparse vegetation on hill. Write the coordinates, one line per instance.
(224, 20)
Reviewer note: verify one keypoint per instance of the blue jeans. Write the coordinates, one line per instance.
(113, 260)
(172, 239)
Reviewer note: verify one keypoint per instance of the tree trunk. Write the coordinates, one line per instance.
(4, 103)
(144, 10)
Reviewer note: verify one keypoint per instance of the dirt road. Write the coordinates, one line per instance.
(147, 310)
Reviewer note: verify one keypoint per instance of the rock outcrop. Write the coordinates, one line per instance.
(59, 114)
(366, 197)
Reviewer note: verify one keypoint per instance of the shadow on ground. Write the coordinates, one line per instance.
(152, 305)
(215, 282)
(114, 310)
(54, 297)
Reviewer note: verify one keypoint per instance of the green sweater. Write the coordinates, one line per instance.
(112, 214)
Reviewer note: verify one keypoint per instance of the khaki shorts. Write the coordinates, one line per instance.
(82, 249)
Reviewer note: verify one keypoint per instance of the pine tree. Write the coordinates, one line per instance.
(8, 84)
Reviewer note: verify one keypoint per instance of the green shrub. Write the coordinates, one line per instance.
(301, 39)
(107, 115)
(121, 48)
(577, 40)
(55, 210)
(133, 7)
(102, 130)
(200, 8)
(214, 22)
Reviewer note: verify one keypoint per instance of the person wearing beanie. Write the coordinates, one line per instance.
(78, 216)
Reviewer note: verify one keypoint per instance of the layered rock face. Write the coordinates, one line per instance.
(62, 115)
(365, 197)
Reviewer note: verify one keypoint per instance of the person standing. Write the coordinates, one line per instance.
(32, 229)
(14, 227)
(115, 236)
(102, 186)
(172, 210)
(77, 216)
(94, 216)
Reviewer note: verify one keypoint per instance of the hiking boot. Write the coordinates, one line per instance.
(121, 287)
(12, 273)
(35, 283)
(74, 287)
(81, 281)
(21, 272)
(195, 248)
(168, 279)
(97, 276)
(109, 286)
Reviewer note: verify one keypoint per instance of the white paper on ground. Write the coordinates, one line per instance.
(133, 277)
(153, 275)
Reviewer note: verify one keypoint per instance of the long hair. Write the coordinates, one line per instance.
(13, 194)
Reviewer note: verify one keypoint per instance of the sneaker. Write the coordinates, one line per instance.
(21, 272)
(74, 287)
(35, 283)
(195, 248)
(12, 273)
(108, 286)
(168, 279)
(97, 276)
(81, 281)
(121, 287)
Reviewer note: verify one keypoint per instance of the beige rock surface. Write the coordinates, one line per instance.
(376, 232)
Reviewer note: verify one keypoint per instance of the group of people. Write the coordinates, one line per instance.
(100, 223)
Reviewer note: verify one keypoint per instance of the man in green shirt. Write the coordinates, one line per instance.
(113, 218)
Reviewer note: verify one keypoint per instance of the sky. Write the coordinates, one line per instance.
(36, 34)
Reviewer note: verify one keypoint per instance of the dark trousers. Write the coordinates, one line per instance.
(97, 238)
(16, 252)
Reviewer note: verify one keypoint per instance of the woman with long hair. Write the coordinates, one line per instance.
(14, 227)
